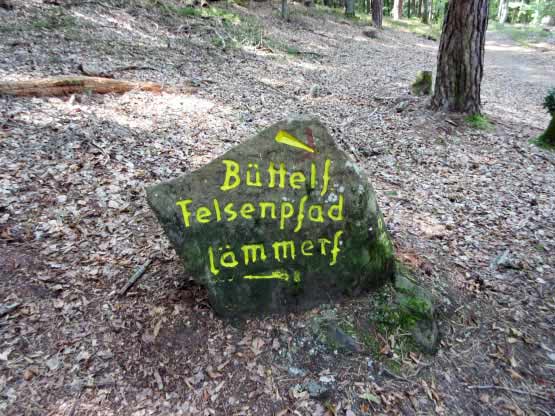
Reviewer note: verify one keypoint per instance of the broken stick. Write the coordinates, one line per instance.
(136, 276)
(57, 86)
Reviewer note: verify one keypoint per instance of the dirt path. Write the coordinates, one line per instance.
(516, 79)
(74, 222)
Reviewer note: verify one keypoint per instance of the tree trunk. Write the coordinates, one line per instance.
(425, 13)
(397, 9)
(350, 8)
(419, 9)
(431, 12)
(408, 8)
(460, 62)
(368, 6)
(284, 10)
(377, 13)
(503, 11)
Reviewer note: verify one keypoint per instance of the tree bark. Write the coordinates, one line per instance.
(397, 9)
(460, 63)
(503, 11)
(284, 10)
(419, 9)
(57, 86)
(408, 8)
(377, 13)
(425, 12)
(350, 8)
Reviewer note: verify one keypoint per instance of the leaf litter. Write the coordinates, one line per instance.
(471, 211)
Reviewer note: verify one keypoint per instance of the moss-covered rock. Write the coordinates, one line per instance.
(423, 84)
(283, 221)
(417, 307)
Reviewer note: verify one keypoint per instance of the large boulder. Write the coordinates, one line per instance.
(282, 221)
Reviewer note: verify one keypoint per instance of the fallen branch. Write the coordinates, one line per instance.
(391, 374)
(136, 276)
(492, 387)
(57, 86)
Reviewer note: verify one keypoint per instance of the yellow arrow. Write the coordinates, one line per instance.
(278, 274)
(285, 138)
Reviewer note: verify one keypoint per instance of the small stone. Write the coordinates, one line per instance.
(402, 106)
(315, 91)
(341, 340)
(372, 34)
(29, 373)
(316, 390)
(53, 363)
(297, 372)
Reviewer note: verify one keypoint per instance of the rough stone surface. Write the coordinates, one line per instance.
(327, 240)
(423, 84)
(417, 301)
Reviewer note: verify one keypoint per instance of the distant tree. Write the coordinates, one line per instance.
(460, 63)
(397, 9)
(425, 12)
(503, 11)
(350, 8)
(377, 13)
(284, 10)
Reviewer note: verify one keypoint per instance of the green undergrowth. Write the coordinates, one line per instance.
(414, 25)
(543, 143)
(525, 35)
(229, 28)
(478, 121)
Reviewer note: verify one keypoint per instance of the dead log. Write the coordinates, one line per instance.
(56, 86)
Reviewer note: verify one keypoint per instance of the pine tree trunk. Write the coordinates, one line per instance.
(425, 12)
(284, 10)
(503, 11)
(377, 13)
(397, 9)
(350, 8)
(460, 62)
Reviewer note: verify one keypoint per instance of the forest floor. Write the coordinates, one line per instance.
(470, 210)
